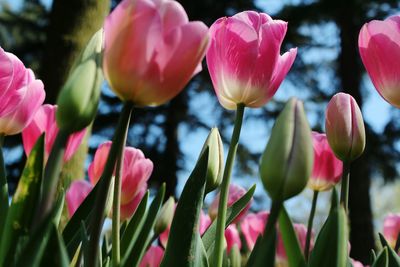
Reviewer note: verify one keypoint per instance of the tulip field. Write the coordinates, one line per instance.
(147, 52)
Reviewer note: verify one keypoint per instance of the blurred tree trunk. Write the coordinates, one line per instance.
(72, 23)
(361, 228)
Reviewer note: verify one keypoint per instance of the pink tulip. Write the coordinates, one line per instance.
(76, 193)
(252, 226)
(379, 44)
(232, 237)
(244, 58)
(345, 127)
(153, 257)
(327, 169)
(20, 94)
(151, 50)
(301, 232)
(235, 193)
(391, 228)
(356, 263)
(45, 121)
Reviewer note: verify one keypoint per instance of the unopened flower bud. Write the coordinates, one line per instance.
(287, 161)
(79, 98)
(215, 159)
(165, 216)
(345, 127)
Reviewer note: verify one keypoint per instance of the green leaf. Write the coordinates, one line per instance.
(231, 213)
(382, 259)
(133, 256)
(56, 253)
(182, 247)
(267, 246)
(330, 249)
(290, 240)
(393, 258)
(21, 212)
(3, 191)
(134, 226)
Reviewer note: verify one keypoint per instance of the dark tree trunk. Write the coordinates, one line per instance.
(361, 228)
(72, 23)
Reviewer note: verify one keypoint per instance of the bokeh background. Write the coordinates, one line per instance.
(48, 34)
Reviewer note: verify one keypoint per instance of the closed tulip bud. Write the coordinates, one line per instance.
(215, 159)
(345, 127)
(287, 161)
(165, 216)
(79, 97)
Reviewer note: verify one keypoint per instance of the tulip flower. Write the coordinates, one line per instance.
(21, 94)
(391, 228)
(327, 169)
(379, 44)
(136, 170)
(345, 127)
(44, 121)
(301, 232)
(151, 50)
(76, 193)
(153, 257)
(244, 58)
(287, 161)
(252, 226)
(232, 238)
(235, 193)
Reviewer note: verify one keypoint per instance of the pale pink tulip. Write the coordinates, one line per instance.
(356, 263)
(151, 50)
(136, 170)
(76, 193)
(327, 169)
(252, 226)
(153, 257)
(379, 44)
(20, 94)
(244, 58)
(44, 121)
(345, 127)
(235, 193)
(391, 228)
(232, 237)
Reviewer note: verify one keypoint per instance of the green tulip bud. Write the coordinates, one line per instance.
(215, 159)
(164, 218)
(79, 97)
(287, 161)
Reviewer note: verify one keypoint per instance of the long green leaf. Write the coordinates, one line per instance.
(231, 213)
(3, 189)
(393, 258)
(182, 247)
(55, 252)
(382, 259)
(133, 256)
(290, 240)
(21, 212)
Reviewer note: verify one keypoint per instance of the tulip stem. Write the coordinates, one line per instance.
(3, 188)
(116, 256)
(116, 149)
(344, 193)
(222, 206)
(310, 224)
(51, 176)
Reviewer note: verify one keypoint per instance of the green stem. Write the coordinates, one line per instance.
(116, 255)
(51, 176)
(310, 224)
(116, 149)
(3, 188)
(223, 199)
(344, 193)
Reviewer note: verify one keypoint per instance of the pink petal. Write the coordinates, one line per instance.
(6, 72)
(100, 158)
(153, 257)
(127, 210)
(232, 237)
(73, 143)
(76, 193)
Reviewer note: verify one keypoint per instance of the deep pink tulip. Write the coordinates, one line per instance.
(76, 193)
(345, 127)
(153, 257)
(244, 58)
(252, 226)
(379, 44)
(232, 237)
(45, 121)
(152, 50)
(391, 228)
(20, 94)
(136, 170)
(327, 169)
(234, 194)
